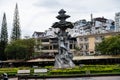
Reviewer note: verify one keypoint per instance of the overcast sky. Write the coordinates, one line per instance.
(39, 15)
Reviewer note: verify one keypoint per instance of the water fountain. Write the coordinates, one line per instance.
(64, 57)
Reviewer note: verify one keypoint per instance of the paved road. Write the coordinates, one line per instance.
(84, 78)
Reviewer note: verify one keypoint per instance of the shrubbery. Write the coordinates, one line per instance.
(78, 70)
(93, 69)
(109, 46)
(9, 71)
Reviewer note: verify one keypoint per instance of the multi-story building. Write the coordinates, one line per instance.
(38, 34)
(95, 26)
(87, 33)
(78, 28)
(50, 33)
(117, 21)
(46, 46)
(84, 27)
(87, 43)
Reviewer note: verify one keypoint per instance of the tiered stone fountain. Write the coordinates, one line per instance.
(64, 57)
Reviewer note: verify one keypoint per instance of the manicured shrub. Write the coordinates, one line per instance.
(9, 71)
(78, 70)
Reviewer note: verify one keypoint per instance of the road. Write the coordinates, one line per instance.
(82, 78)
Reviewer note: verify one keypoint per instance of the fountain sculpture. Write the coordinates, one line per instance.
(64, 57)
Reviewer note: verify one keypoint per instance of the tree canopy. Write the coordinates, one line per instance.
(20, 49)
(109, 46)
(3, 38)
(16, 32)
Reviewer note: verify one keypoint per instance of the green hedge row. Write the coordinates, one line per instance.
(9, 71)
(84, 69)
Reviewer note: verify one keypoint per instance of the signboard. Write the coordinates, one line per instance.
(40, 70)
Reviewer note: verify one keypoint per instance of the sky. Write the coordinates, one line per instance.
(39, 15)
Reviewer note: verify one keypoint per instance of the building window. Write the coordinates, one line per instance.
(96, 38)
(45, 40)
(85, 39)
(74, 46)
(71, 41)
(38, 40)
(70, 46)
(99, 38)
(50, 46)
(45, 48)
(102, 37)
(81, 39)
(81, 46)
(55, 46)
(86, 46)
(91, 52)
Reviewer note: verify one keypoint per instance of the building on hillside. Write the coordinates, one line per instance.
(95, 26)
(78, 28)
(38, 34)
(83, 27)
(87, 43)
(103, 25)
(50, 33)
(117, 21)
(85, 35)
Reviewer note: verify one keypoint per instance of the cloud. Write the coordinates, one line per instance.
(48, 3)
(39, 15)
(80, 5)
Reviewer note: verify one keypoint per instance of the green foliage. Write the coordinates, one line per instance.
(4, 33)
(9, 71)
(66, 71)
(16, 32)
(16, 51)
(94, 69)
(109, 46)
(49, 67)
(20, 49)
(3, 38)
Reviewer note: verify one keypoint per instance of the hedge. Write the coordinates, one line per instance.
(93, 69)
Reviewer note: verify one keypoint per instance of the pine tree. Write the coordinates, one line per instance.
(4, 33)
(16, 32)
(3, 38)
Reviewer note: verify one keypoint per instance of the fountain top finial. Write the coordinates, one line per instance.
(62, 24)
(62, 11)
(62, 16)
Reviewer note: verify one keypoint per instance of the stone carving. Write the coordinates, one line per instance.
(64, 58)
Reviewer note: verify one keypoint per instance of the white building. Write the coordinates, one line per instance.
(50, 33)
(117, 21)
(83, 27)
(96, 26)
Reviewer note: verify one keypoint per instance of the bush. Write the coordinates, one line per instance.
(94, 69)
(9, 71)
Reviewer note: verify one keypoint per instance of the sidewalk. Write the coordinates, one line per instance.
(13, 79)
